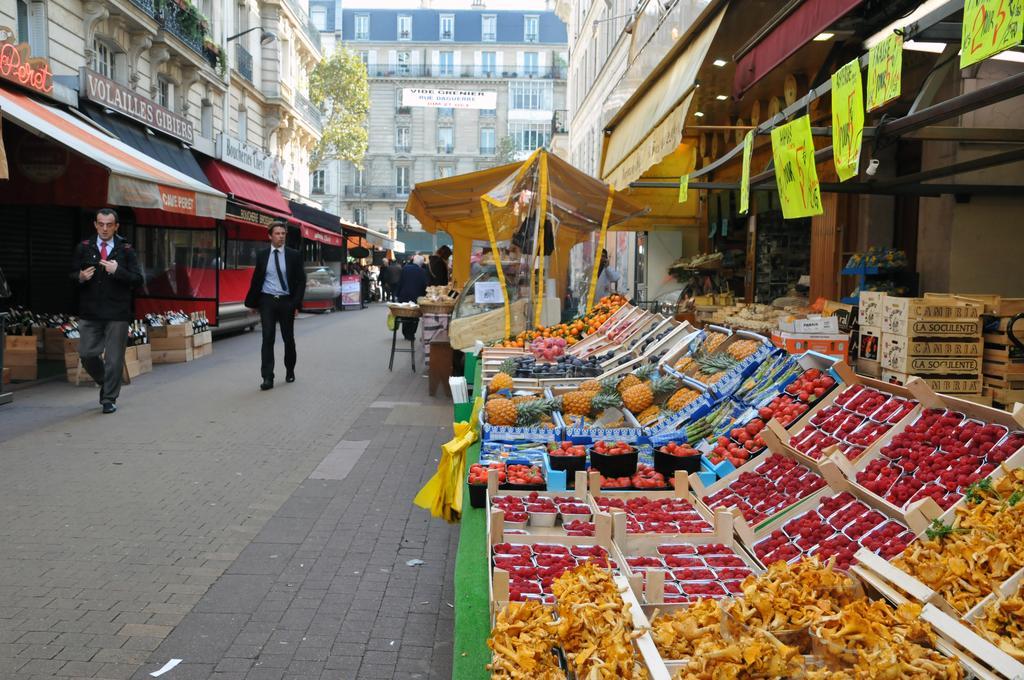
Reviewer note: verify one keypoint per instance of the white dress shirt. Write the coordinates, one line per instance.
(271, 282)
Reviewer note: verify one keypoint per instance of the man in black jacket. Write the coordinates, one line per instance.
(277, 288)
(107, 271)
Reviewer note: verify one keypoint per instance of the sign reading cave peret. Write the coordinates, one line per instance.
(117, 97)
(449, 99)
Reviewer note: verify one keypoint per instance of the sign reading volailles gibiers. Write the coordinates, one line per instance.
(117, 97)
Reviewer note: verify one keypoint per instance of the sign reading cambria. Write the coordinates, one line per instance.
(117, 97)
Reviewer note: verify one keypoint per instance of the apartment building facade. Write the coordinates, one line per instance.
(249, 93)
(518, 56)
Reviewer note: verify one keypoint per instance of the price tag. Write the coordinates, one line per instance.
(748, 150)
(488, 293)
(885, 72)
(795, 172)
(989, 27)
(847, 119)
(684, 188)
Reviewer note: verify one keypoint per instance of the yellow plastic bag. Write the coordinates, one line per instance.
(442, 495)
(391, 322)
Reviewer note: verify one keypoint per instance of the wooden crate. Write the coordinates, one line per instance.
(172, 343)
(939, 383)
(5, 375)
(869, 309)
(930, 318)
(202, 351)
(994, 305)
(870, 344)
(204, 338)
(20, 343)
(22, 372)
(177, 331)
(172, 356)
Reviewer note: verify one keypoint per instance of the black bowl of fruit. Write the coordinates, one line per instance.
(567, 456)
(672, 457)
(617, 459)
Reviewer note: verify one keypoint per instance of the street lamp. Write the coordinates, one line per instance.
(266, 37)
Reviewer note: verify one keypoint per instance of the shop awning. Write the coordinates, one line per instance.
(240, 184)
(317, 225)
(792, 33)
(425, 242)
(167, 151)
(649, 125)
(320, 235)
(135, 180)
(381, 240)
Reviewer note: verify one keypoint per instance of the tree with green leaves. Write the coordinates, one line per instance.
(505, 151)
(338, 86)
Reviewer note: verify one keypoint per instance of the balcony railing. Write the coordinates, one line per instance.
(487, 150)
(489, 37)
(375, 191)
(446, 148)
(174, 20)
(403, 148)
(310, 113)
(147, 6)
(243, 62)
(463, 71)
(311, 30)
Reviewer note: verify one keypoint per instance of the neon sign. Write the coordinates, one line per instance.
(19, 66)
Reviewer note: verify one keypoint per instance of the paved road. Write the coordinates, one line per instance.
(253, 535)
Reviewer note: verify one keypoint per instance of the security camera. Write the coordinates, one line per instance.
(872, 167)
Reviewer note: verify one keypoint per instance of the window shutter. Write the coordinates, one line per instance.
(435, 57)
(498, 61)
(519, 61)
(371, 57)
(477, 64)
(392, 59)
(37, 38)
(542, 58)
(456, 65)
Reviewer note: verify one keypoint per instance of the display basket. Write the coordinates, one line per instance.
(436, 306)
(405, 312)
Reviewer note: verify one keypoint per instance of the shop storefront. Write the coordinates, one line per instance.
(324, 251)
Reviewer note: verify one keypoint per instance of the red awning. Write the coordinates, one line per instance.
(320, 235)
(795, 31)
(241, 184)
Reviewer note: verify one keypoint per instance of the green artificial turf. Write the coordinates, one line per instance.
(472, 600)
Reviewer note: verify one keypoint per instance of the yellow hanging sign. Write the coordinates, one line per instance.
(989, 27)
(748, 151)
(684, 188)
(885, 71)
(795, 171)
(847, 119)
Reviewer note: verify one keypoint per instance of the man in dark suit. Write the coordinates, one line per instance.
(107, 271)
(277, 288)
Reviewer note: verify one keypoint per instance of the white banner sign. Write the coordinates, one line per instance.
(449, 99)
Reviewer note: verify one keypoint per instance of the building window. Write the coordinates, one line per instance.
(489, 28)
(530, 95)
(399, 108)
(531, 28)
(359, 215)
(103, 59)
(318, 181)
(318, 15)
(403, 144)
(446, 112)
(402, 180)
(23, 32)
(487, 140)
(362, 27)
(401, 218)
(447, 27)
(445, 139)
(243, 125)
(446, 67)
(488, 113)
(404, 27)
(531, 64)
(445, 170)
(488, 64)
(529, 136)
(404, 59)
(359, 177)
(165, 98)
(206, 119)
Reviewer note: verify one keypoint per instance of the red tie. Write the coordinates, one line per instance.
(103, 250)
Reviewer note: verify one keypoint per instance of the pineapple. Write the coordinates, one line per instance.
(681, 398)
(641, 397)
(502, 380)
(710, 365)
(649, 415)
(579, 403)
(635, 378)
(501, 411)
(590, 386)
(684, 364)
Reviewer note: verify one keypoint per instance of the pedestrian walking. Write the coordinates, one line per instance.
(606, 277)
(392, 276)
(277, 288)
(411, 286)
(438, 266)
(107, 271)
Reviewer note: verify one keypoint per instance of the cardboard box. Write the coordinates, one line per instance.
(834, 345)
(178, 331)
(922, 317)
(869, 368)
(869, 309)
(906, 355)
(810, 324)
(944, 384)
(869, 344)
(172, 356)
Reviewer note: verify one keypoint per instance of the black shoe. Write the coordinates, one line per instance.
(290, 377)
(109, 407)
(267, 385)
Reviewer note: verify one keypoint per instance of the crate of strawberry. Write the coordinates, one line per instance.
(645, 478)
(525, 571)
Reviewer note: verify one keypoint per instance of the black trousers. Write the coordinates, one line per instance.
(101, 349)
(274, 311)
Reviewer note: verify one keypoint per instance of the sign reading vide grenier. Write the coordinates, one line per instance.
(117, 97)
(18, 66)
(449, 99)
(795, 171)
(989, 27)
